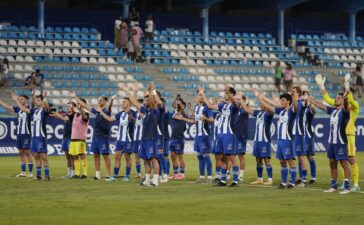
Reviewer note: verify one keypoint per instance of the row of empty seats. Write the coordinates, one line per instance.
(83, 30)
(187, 33)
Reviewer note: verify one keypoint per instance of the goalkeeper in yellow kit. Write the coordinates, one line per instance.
(350, 128)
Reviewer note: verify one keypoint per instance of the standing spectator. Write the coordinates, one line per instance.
(288, 77)
(29, 81)
(278, 76)
(149, 28)
(124, 36)
(357, 80)
(4, 70)
(134, 17)
(137, 34)
(117, 33)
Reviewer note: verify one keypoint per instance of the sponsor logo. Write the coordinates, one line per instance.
(3, 130)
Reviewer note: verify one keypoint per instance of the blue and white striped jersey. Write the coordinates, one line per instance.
(228, 112)
(23, 121)
(285, 123)
(298, 127)
(338, 120)
(202, 128)
(138, 127)
(125, 126)
(307, 122)
(39, 117)
(263, 125)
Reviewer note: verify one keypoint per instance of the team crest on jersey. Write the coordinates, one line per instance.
(230, 146)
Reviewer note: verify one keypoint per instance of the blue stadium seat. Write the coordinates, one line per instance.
(58, 30)
(67, 30)
(93, 30)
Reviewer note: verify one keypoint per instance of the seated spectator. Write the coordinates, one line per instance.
(4, 70)
(35, 80)
(61, 111)
(149, 28)
(137, 35)
(288, 75)
(134, 17)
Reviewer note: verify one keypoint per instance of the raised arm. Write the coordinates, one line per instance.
(56, 115)
(187, 120)
(231, 97)
(82, 104)
(6, 106)
(16, 100)
(132, 98)
(320, 80)
(107, 117)
(111, 103)
(318, 104)
(267, 105)
(206, 101)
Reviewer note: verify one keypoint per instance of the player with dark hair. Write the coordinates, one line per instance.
(100, 140)
(262, 140)
(225, 143)
(68, 119)
(22, 136)
(285, 151)
(148, 149)
(39, 114)
(124, 141)
(177, 141)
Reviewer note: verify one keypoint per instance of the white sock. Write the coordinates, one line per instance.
(72, 172)
(269, 179)
(202, 177)
(69, 172)
(242, 173)
(98, 174)
(260, 179)
(155, 178)
(147, 178)
(209, 177)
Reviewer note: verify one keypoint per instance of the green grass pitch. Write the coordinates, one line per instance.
(87, 202)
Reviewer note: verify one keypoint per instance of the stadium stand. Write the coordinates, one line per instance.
(78, 59)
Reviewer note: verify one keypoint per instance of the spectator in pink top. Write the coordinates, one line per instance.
(137, 35)
(288, 77)
(124, 35)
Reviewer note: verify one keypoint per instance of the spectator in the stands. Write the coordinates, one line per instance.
(137, 35)
(288, 75)
(35, 80)
(134, 17)
(357, 80)
(124, 36)
(278, 72)
(61, 111)
(149, 28)
(29, 81)
(117, 33)
(4, 71)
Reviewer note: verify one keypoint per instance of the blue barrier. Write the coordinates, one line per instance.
(55, 134)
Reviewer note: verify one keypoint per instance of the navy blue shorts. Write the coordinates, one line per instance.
(166, 146)
(215, 150)
(123, 146)
(66, 144)
(226, 144)
(148, 150)
(285, 150)
(100, 145)
(38, 145)
(240, 145)
(136, 145)
(177, 146)
(202, 144)
(23, 141)
(337, 152)
(262, 149)
(299, 145)
(309, 146)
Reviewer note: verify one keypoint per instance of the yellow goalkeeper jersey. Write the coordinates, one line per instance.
(354, 111)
